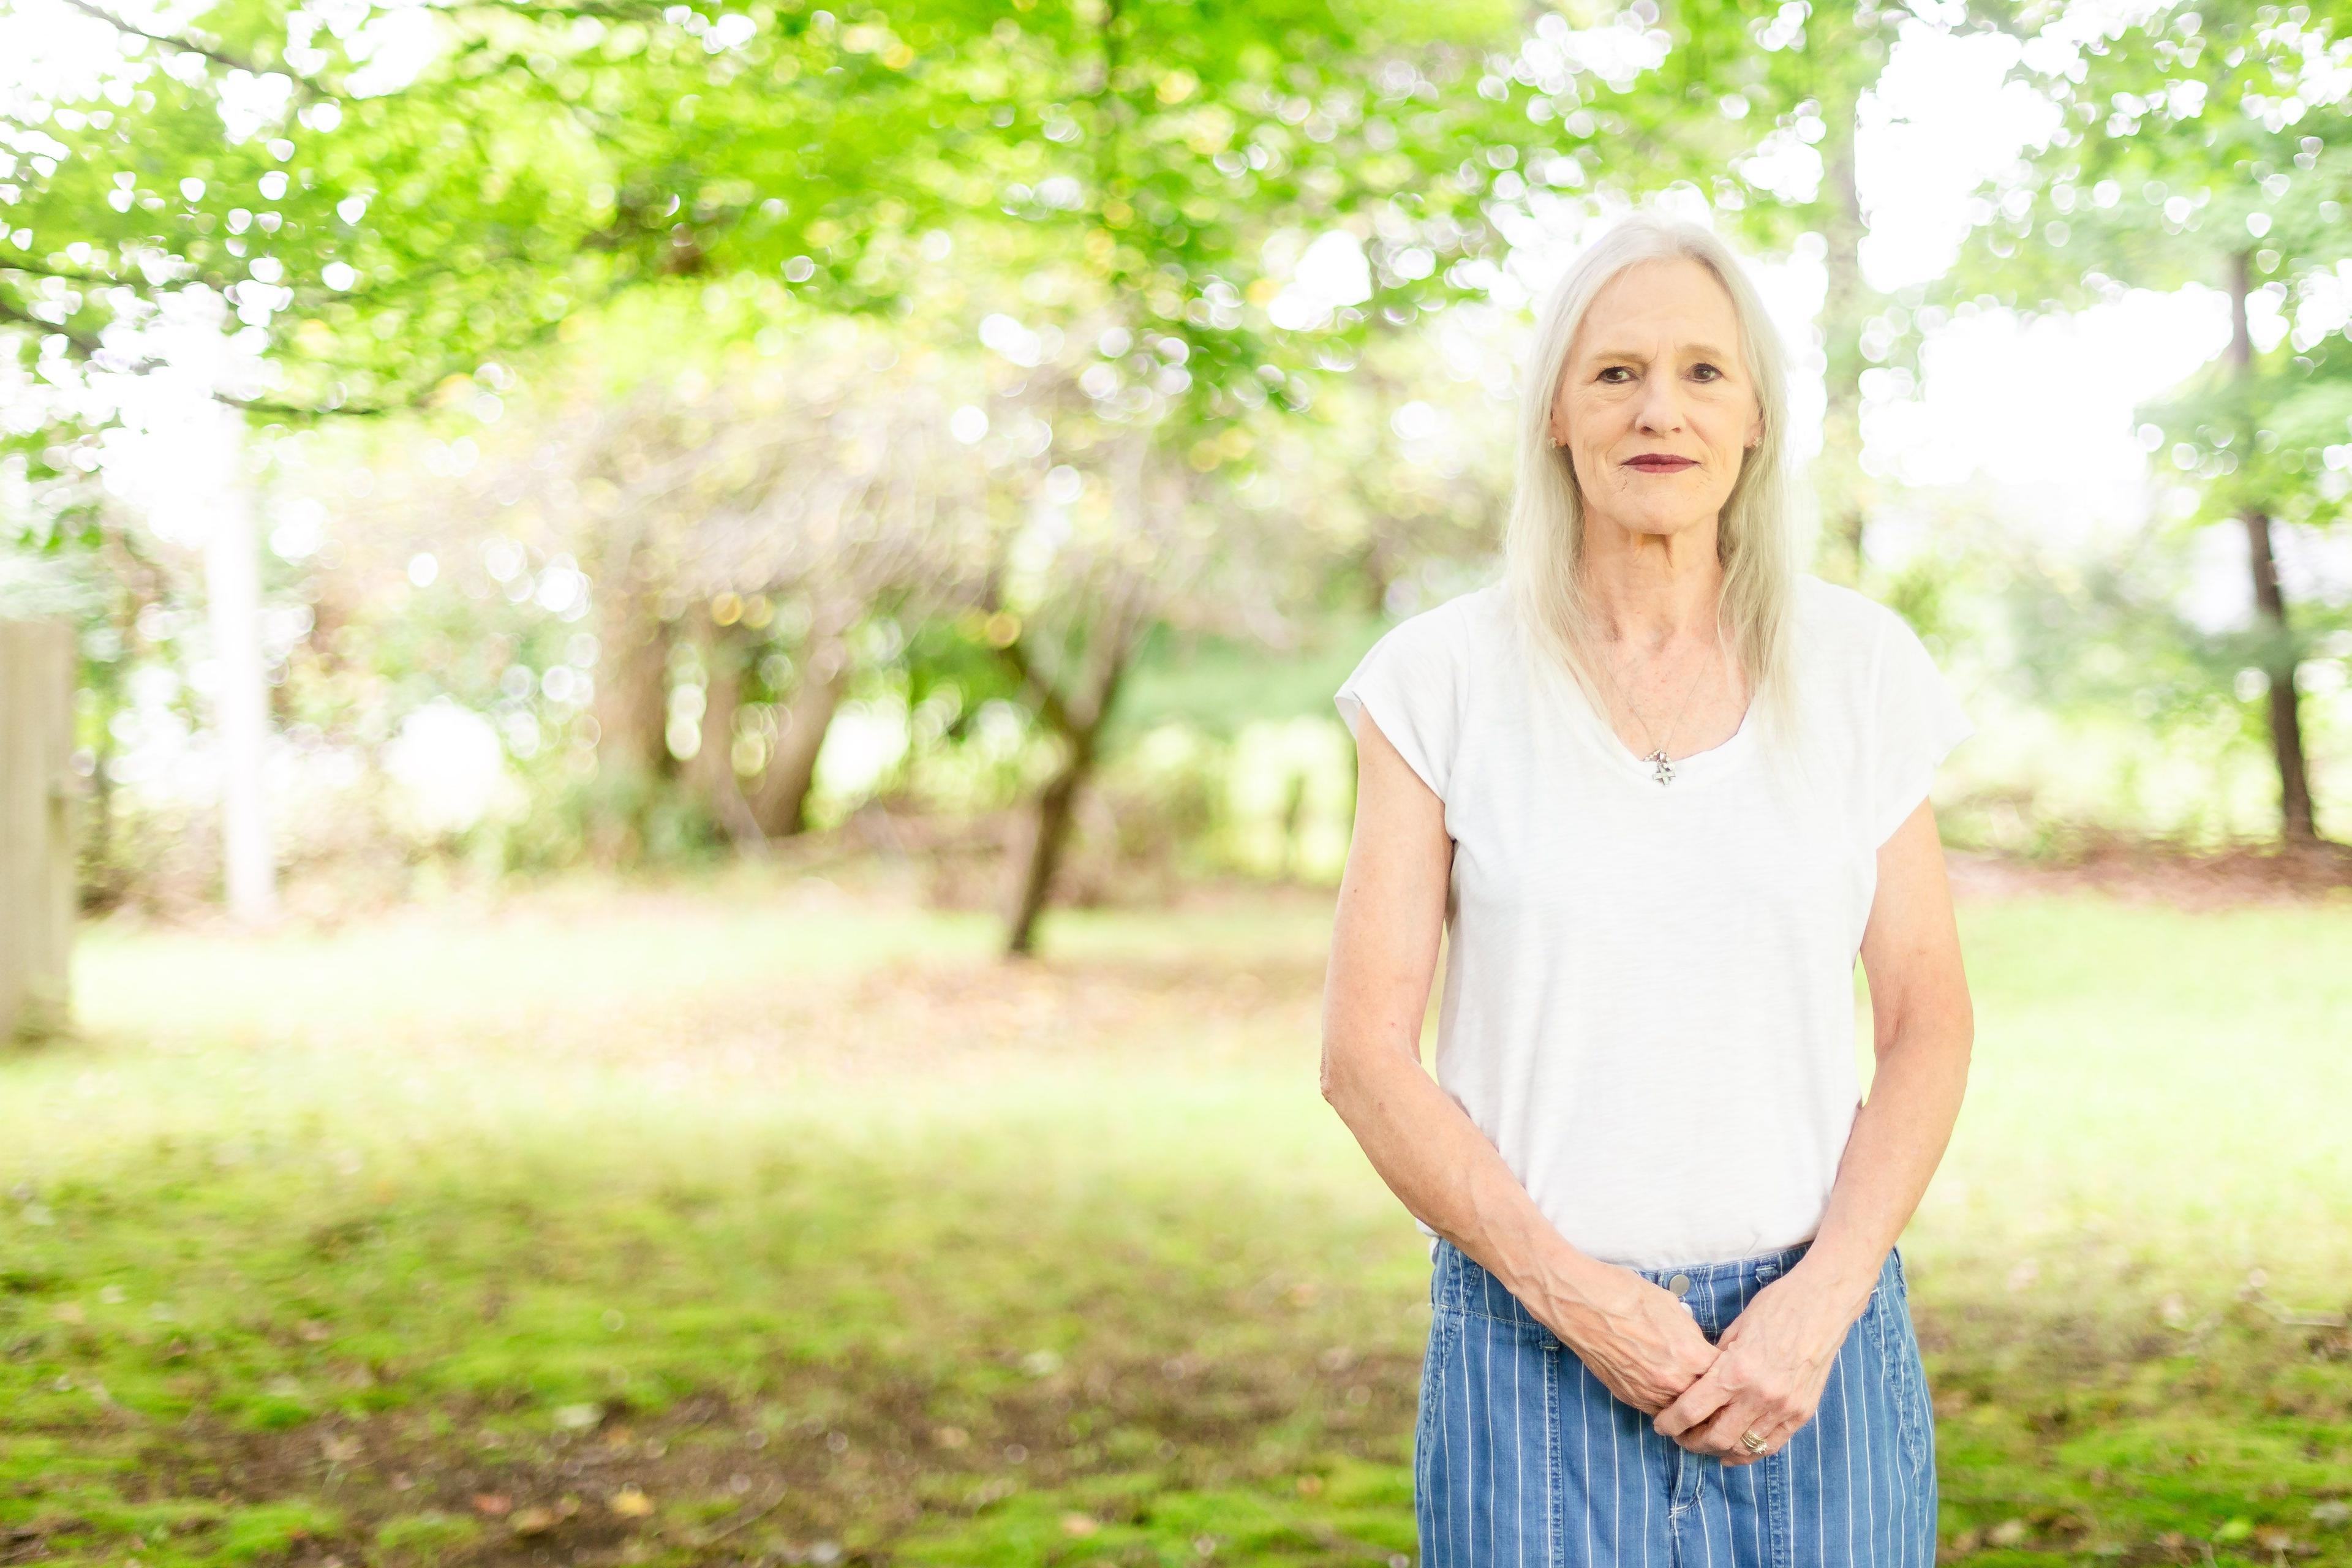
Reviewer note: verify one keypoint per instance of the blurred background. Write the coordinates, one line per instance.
(671, 796)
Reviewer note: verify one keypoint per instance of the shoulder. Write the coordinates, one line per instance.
(1415, 682)
(1842, 629)
(1831, 612)
(1450, 631)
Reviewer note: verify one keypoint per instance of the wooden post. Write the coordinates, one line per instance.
(36, 849)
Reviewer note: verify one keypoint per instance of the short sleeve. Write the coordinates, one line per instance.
(1917, 720)
(1408, 683)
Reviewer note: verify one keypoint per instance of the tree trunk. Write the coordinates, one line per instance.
(632, 693)
(1050, 823)
(1114, 633)
(779, 802)
(2297, 823)
(2296, 819)
(1379, 573)
(1839, 482)
(1049, 833)
(241, 703)
(712, 771)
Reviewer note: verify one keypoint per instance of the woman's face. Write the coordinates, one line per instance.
(1656, 408)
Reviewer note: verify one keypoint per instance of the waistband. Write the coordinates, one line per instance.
(1715, 1292)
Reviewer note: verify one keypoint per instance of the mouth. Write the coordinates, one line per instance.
(1660, 463)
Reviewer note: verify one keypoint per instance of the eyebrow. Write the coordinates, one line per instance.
(1707, 351)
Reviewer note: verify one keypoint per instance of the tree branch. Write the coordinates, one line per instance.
(35, 270)
(296, 410)
(217, 56)
(84, 346)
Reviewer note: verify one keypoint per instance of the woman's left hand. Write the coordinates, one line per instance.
(1770, 1367)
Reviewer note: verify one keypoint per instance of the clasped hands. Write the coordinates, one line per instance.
(1765, 1374)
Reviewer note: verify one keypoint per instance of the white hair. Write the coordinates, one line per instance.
(1544, 544)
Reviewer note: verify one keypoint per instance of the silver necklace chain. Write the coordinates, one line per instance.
(1662, 770)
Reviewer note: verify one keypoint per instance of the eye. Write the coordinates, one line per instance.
(1711, 372)
(1615, 370)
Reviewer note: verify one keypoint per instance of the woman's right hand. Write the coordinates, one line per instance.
(1640, 1342)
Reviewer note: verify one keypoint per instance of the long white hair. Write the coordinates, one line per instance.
(1544, 545)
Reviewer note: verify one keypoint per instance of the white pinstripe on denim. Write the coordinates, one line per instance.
(1522, 1458)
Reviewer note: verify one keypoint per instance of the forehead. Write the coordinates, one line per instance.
(1670, 301)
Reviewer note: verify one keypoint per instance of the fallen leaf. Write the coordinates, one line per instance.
(495, 1504)
(631, 1503)
(534, 1521)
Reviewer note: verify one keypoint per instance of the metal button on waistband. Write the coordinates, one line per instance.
(1679, 1284)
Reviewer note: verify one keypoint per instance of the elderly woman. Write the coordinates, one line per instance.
(1663, 788)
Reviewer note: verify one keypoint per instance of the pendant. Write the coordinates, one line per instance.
(1666, 774)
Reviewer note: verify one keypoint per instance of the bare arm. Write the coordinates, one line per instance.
(1392, 913)
(1923, 1027)
(1777, 1354)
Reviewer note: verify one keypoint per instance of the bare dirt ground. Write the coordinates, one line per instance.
(2268, 874)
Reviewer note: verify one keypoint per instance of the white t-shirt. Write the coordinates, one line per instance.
(1649, 995)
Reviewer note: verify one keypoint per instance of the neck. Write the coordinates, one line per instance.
(1651, 589)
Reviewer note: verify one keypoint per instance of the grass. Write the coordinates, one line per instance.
(784, 1224)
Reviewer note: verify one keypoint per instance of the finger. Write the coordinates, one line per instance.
(1727, 1435)
(1719, 1434)
(1692, 1407)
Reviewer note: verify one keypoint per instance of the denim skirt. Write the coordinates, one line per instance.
(1522, 1457)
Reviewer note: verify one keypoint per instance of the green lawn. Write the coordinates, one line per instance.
(771, 1223)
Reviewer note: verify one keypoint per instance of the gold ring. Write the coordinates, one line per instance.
(1751, 1442)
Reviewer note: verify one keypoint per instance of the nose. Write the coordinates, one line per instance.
(1661, 406)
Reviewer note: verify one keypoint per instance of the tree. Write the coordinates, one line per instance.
(2204, 146)
(1180, 220)
(1133, 166)
(376, 241)
(379, 236)
(739, 508)
(1765, 109)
